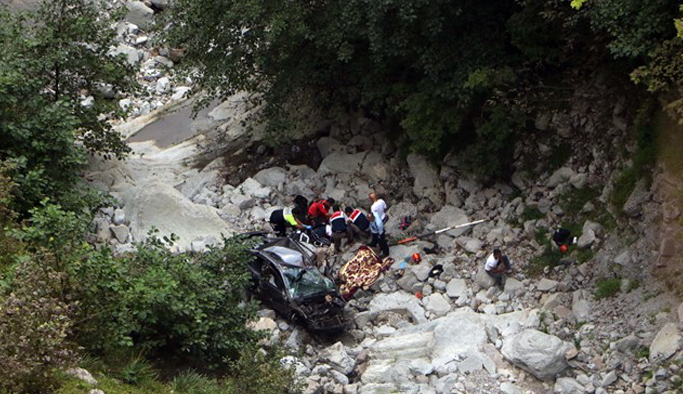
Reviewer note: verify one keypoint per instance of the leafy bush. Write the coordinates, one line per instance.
(258, 372)
(605, 288)
(34, 327)
(160, 300)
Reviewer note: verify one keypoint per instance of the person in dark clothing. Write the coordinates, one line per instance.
(281, 219)
(340, 229)
(301, 202)
(378, 236)
(358, 222)
(563, 238)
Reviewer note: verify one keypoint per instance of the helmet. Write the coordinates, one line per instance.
(563, 248)
(416, 257)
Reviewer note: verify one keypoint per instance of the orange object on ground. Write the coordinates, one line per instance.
(416, 258)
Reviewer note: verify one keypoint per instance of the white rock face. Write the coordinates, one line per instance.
(561, 175)
(547, 285)
(450, 216)
(341, 163)
(338, 359)
(434, 343)
(568, 386)
(132, 55)
(456, 288)
(139, 14)
(160, 205)
(437, 305)
(666, 343)
(427, 182)
(398, 302)
(540, 354)
(272, 177)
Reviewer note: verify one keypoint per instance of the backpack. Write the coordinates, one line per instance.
(405, 222)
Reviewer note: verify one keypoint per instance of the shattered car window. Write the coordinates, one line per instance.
(305, 282)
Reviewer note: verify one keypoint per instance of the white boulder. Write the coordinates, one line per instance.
(540, 354)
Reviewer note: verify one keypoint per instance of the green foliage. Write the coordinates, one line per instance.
(258, 372)
(574, 201)
(634, 27)
(549, 258)
(531, 213)
(137, 371)
(160, 300)
(191, 382)
(607, 287)
(34, 326)
(48, 60)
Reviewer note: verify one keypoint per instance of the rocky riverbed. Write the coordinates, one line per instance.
(545, 331)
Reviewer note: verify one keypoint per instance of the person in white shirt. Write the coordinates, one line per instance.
(378, 208)
(496, 265)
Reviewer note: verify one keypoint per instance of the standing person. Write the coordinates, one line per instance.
(379, 207)
(378, 236)
(496, 265)
(281, 219)
(339, 228)
(319, 211)
(358, 222)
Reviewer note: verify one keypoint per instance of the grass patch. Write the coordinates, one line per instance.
(112, 386)
(605, 288)
(574, 201)
(531, 213)
(549, 258)
(632, 285)
(583, 254)
(559, 155)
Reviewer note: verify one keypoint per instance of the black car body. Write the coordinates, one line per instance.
(285, 277)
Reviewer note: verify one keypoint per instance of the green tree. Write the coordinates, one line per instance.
(49, 60)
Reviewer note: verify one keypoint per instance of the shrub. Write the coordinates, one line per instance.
(259, 372)
(605, 288)
(34, 326)
(159, 300)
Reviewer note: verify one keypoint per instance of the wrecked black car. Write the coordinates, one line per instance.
(285, 277)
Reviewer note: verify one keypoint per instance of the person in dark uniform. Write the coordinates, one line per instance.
(339, 228)
(358, 222)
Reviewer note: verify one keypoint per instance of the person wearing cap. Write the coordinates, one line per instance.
(378, 236)
(281, 219)
(496, 265)
(319, 211)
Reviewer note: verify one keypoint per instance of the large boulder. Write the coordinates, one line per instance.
(561, 175)
(666, 343)
(437, 305)
(132, 55)
(272, 177)
(396, 214)
(140, 15)
(456, 288)
(434, 344)
(540, 354)
(338, 358)
(427, 182)
(398, 302)
(162, 206)
(633, 206)
(328, 145)
(253, 188)
(483, 279)
(450, 216)
(341, 163)
(568, 386)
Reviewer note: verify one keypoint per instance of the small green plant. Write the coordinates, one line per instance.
(583, 254)
(605, 288)
(549, 258)
(137, 371)
(531, 213)
(191, 382)
(574, 201)
(632, 285)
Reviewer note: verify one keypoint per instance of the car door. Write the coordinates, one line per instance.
(272, 289)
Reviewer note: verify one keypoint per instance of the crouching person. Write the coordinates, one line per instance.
(281, 219)
(358, 223)
(339, 228)
(497, 264)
